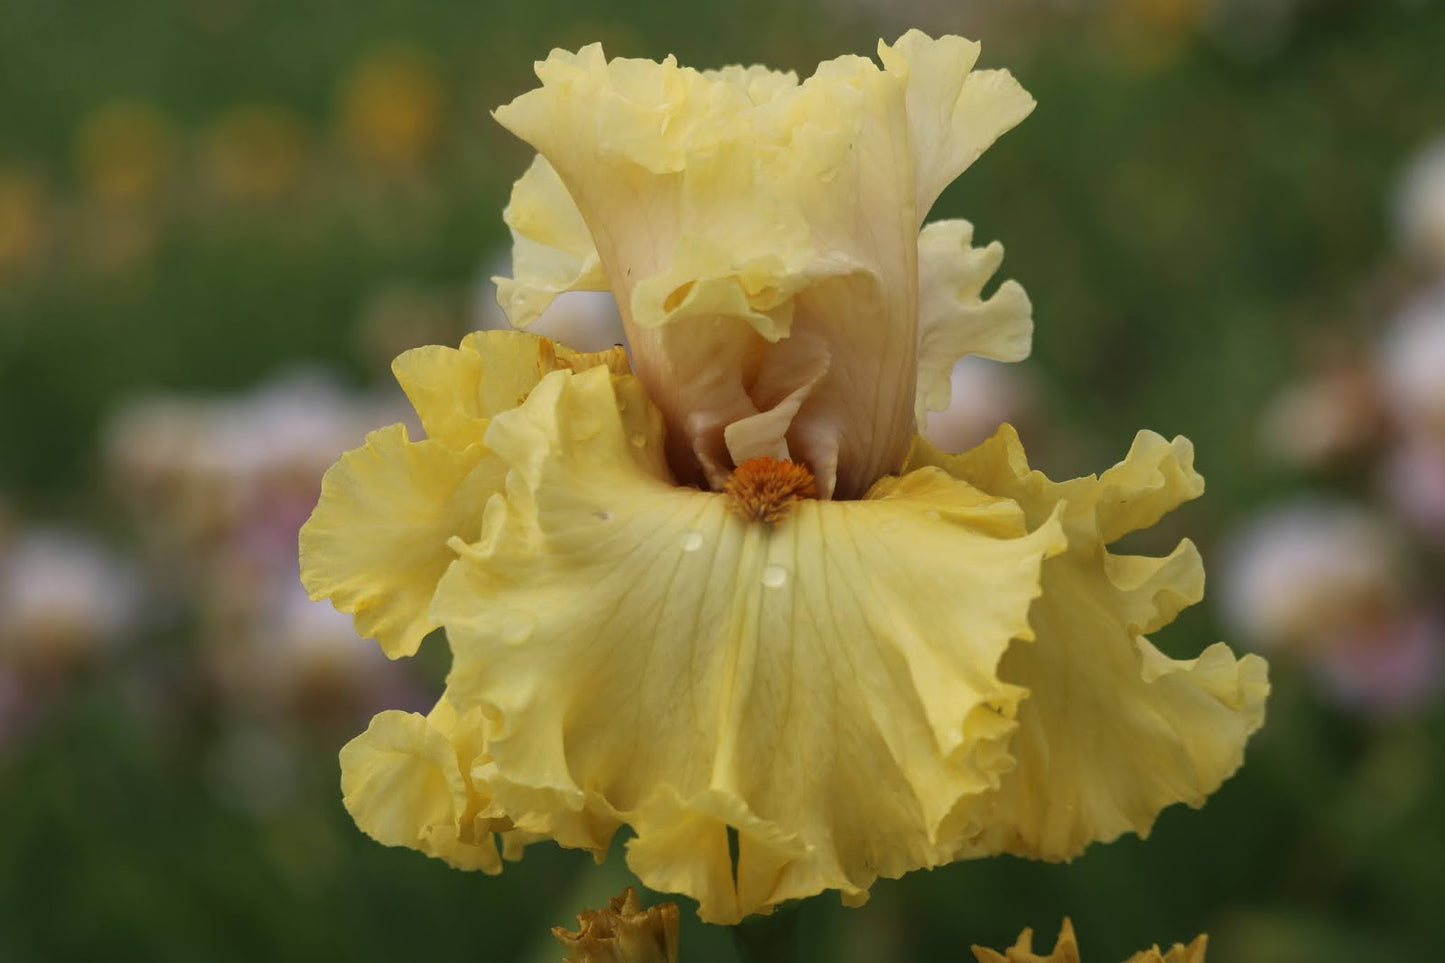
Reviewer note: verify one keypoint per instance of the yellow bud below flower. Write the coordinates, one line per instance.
(623, 933)
(1066, 950)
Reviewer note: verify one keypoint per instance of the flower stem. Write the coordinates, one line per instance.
(768, 939)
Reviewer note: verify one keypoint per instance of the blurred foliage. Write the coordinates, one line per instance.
(207, 192)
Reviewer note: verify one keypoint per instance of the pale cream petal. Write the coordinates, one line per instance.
(1113, 731)
(552, 250)
(377, 542)
(402, 782)
(954, 111)
(747, 208)
(824, 688)
(760, 83)
(954, 319)
(736, 209)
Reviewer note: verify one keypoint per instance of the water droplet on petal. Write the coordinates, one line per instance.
(638, 441)
(691, 541)
(775, 576)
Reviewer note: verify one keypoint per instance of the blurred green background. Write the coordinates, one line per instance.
(198, 197)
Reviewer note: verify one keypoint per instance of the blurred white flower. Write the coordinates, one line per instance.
(1306, 575)
(1420, 207)
(220, 487)
(244, 468)
(1327, 418)
(985, 394)
(1395, 667)
(1412, 364)
(63, 599)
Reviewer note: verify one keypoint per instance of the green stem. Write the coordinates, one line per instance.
(769, 939)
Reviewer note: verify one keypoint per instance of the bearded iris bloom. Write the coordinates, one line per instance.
(715, 589)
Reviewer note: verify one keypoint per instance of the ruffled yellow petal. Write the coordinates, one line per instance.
(751, 212)
(405, 781)
(377, 542)
(954, 319)
(456, 390)
(552, 250)
(1066, 950)
(823, 689)
(954, 111)
(1113, 730)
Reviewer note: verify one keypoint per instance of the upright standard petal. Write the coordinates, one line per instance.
(552, 250)
(760, 236)
(954, 111)
(824, 687)
(1113, 730)
(955, 319)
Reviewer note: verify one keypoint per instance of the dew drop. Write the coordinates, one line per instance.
(691, 541)
(638, 441)
(775, 576)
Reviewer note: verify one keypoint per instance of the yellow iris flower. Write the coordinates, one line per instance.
(652, 622)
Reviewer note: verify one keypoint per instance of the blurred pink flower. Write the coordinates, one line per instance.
(1394, 667)
(1413, 478)
(1412, 365)
(1304, 575)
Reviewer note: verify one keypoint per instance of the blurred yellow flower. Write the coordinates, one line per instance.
(623, 933)
(123, 151)
(1066, 950)
(22, 216)
(255, 152)
(730, 601)
(391, 109)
